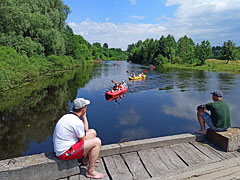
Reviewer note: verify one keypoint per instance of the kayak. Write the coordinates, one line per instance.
(110, 98)
(137, 77)
(110, 93)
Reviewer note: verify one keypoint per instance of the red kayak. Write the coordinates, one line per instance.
(152, 67)
(110, 93)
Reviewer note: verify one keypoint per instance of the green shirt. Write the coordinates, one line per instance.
(220, 113)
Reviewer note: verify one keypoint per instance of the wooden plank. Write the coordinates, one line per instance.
(233, 176)
(135, 165)
(170, 158)
(202, 156)
(152, 162)
(188, 156)
(235, 153)
(223, 174)
(83, 170)
(223, 154)
(117, 168)
(75, 177)
(213, 170)
(205, 149)
(98, 167)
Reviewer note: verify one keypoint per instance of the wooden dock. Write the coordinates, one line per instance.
(179, 160)
(177, 157)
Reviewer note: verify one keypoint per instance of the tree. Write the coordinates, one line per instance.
(228, 51)
(203, 51)
(216, 51)
(185, 49)
(97, 44)
(34, 27)
(105, 45)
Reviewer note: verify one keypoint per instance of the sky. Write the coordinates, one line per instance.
(120, 23)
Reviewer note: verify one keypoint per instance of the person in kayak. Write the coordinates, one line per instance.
(73, 139)
(120, 87)
(133, 75)
(219, 120)
(115, 87)
(141, 74)
(124, 85)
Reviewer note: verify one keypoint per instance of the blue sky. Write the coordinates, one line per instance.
(123, 22)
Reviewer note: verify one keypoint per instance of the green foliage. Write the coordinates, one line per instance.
(167, 51)
(203, 52)
(105, 45)
(216, 52)
(33, 27)
(15, 68)
(185, 49)
(229, 51)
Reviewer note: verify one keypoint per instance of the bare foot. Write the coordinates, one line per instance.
(95, 175)
(201, 132)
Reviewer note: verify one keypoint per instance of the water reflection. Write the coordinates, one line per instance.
(129, 117)
(30, 113)
(134, 134)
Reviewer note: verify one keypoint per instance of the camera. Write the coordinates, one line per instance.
(201, 107)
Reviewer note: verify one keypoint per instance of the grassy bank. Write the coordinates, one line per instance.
(16, 69)
(211, 65)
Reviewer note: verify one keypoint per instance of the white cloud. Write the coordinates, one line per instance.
(133, 2)
(117, 35)
(138, 17)
(214, 20)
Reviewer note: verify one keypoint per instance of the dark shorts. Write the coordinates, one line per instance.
(74, 152)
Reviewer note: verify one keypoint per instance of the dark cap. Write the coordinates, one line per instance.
(217, 93)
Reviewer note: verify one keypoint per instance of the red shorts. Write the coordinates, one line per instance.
(75, 152)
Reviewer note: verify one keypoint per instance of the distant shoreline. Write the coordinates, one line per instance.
(214, 65)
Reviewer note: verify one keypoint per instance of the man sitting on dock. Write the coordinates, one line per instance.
(71, 141)
(219, 120)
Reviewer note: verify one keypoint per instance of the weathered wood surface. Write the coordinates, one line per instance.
(194, 160)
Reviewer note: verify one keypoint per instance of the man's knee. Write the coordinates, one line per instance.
(92, 132)
(98, 141)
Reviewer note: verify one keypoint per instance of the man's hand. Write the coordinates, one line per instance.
(82, 138)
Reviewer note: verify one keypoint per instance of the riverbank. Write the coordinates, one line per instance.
(17, 70)
(210, 65)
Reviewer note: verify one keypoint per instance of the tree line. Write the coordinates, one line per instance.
(184, 51)
(35, 40)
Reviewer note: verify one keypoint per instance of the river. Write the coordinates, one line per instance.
(162, 104)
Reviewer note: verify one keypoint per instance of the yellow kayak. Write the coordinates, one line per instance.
(137, 77)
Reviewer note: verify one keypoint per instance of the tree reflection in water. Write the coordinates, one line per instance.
(30, 113)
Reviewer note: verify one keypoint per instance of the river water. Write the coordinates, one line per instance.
(163, 104)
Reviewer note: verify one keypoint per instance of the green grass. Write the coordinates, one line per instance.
(211, 65)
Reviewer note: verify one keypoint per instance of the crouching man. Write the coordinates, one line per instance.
(73, 139)
(219, 119)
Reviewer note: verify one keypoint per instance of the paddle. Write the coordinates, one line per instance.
(127, 71)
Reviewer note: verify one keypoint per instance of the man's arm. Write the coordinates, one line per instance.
(85, 121)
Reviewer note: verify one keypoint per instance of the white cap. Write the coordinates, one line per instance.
(79, 103)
